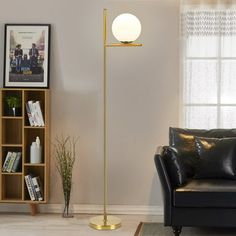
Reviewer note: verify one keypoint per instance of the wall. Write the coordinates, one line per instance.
(143, 92)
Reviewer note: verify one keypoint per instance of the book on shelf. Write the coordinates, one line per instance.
(17, 162)
(30, 187)
(39, 113)
(34, 187)
(6, 162)
(12, 162)
(38, 188)
(34, 113)
(30, 117)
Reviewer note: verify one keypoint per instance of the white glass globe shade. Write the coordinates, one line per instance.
(126, 28)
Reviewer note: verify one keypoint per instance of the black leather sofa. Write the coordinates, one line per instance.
(198, 201)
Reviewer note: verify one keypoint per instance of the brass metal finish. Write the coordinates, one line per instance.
(124, 45)
(105, 114)
(105, 222)
(111, 223)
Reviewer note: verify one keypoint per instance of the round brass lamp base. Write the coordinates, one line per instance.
(99, 224)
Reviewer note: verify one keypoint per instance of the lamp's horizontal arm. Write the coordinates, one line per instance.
(124, 45)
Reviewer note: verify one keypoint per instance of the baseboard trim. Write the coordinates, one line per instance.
(87, 209)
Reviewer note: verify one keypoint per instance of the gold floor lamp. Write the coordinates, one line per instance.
(126, 28)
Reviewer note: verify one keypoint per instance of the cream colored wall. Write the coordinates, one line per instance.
(143, 98)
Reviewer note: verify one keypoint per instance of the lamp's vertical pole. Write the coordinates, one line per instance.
(105, 112)
(105, 222)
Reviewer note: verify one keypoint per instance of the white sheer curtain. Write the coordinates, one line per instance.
(209, 63)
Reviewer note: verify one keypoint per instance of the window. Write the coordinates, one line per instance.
(209, 68)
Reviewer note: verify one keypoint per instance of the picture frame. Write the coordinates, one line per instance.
(27, 55)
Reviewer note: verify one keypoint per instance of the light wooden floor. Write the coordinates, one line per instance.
(55, 225)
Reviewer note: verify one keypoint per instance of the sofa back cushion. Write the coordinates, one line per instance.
(217, 158)
(184, 141)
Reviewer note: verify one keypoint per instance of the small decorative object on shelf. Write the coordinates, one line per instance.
(65, 155)
(13, 106)
(36, 152)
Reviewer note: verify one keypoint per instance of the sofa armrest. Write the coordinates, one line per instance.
(165, 184)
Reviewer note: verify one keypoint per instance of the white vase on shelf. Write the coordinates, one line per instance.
(36, 152)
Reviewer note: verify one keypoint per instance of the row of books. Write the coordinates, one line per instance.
(12, 162)
(34, 113)
(34, 188)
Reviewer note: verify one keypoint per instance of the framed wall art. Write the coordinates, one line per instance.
(27, 54)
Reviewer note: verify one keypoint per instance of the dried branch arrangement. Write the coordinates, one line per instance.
(65, 156)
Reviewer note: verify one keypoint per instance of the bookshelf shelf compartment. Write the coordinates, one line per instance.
(35, 95)
(5, 152)
(12, 187)
(6, 94)
(17, 136)
(38, 171)
(10, 127)
(30, 136)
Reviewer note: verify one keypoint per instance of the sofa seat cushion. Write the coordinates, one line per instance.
(206, 193)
